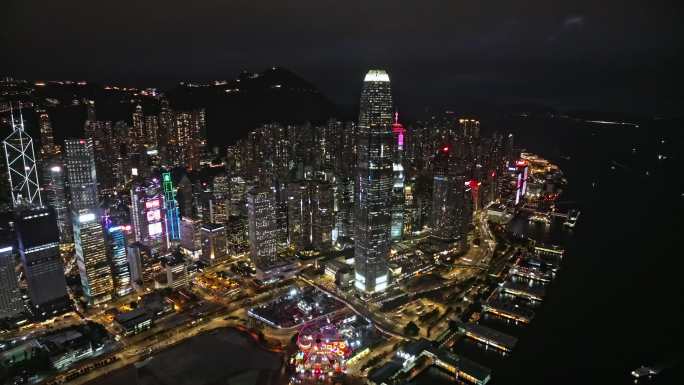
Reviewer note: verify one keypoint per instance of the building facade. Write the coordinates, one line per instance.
(374, 182)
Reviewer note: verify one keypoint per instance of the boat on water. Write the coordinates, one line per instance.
(571, 221)
(644, 371)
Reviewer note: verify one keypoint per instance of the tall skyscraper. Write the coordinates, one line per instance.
(173, 230)
(47, 139)
(21, 165)
(448, 195)
(344, 207)
(138, 131)
(89, 241)
(219, 203)
(187, 138)
(262, 227)
(164, 130)
(398, 181)
(373, 184)
(55, 197)
(11, 304)
(91, 258)
(80, 162)
(151, 131)
(310, 215)
(39, 249)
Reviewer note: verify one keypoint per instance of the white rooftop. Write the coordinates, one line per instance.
(376, 76)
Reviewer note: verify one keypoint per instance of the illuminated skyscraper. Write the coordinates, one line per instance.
(11, 304)
(470, 128)
(262, 227)
(147, 214)
(91, 258)
(448, 195)
(299, 216)
(116, 248)
(219, 203)
(138, 131)
(55, 197)
(373, 184)
(47, 139)
(521, 170)
(344, 207)
(398, 181)
(151, 131)
(187, 138)
(164, 130)
(39, 249)
(80, 162)
(173, 231)
(310, 215)
(21, 165)
(89, 241)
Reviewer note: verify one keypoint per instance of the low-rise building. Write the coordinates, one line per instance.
(135, 321)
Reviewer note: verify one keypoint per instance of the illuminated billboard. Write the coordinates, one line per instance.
(152, 204)
(154, 216)
(154, 229)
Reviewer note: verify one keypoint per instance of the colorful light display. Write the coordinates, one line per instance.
(322, 351)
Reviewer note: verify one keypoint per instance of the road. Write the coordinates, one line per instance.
(360, 309)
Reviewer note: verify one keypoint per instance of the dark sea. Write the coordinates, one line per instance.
(617, 302)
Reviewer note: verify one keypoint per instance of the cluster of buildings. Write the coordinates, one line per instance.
(362, 185)
(106, 195)
(143, 202)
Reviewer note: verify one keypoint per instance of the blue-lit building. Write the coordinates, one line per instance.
(117, 248)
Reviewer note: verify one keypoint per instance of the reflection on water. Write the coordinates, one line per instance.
(554, 233)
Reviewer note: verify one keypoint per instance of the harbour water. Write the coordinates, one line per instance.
(616, 302)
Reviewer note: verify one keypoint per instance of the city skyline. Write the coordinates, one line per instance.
(350, 193)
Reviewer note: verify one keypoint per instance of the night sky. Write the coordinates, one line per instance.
(606, 55)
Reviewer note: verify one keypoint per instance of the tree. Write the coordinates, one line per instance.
(411, 329)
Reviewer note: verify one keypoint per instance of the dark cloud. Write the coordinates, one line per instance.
(573, 21)
(436, 50)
